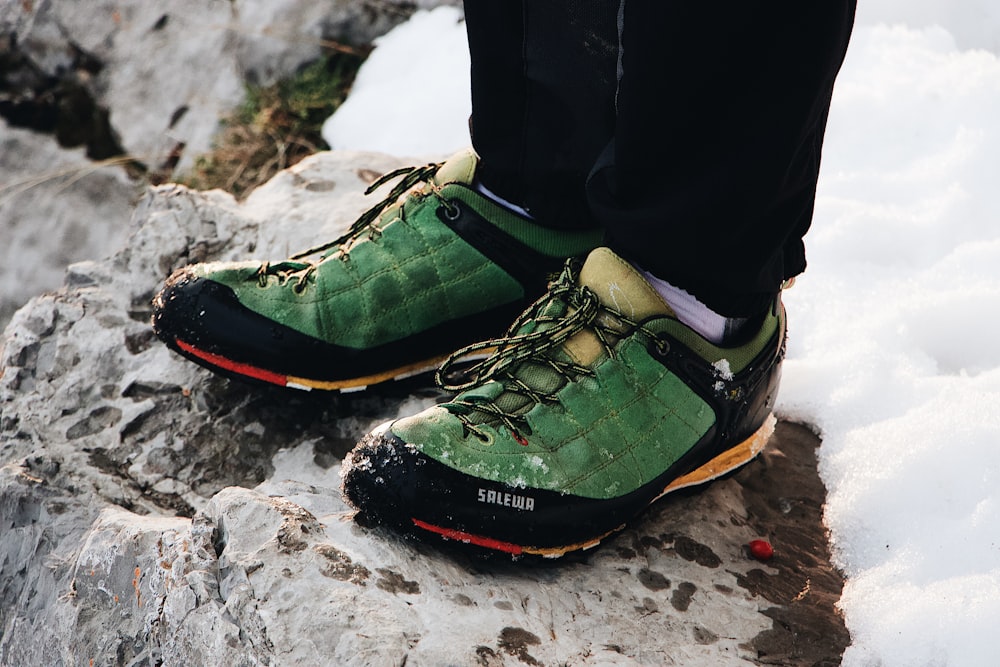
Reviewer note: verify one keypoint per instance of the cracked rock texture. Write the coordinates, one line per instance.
(152, 513)
(81, 82)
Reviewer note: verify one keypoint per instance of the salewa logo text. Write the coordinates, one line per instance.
(491, 497)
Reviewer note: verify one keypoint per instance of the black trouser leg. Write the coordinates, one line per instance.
(543, 81)
(711, 177)
(716, 128)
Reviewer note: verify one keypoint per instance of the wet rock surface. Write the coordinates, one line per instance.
(153, 513)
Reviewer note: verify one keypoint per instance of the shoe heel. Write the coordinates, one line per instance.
(727, 461)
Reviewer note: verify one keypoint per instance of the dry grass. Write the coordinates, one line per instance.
(277, 126)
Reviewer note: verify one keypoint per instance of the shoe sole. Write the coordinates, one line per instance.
(723, 464)
(224, 365)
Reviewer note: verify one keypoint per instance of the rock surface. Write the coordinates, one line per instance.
(166, 74)
(152, 513)
(56, 207)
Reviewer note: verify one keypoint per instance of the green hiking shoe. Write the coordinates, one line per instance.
(596, 403)
(431, 268)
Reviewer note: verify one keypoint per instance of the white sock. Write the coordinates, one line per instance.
(489, 194)
(692, 312)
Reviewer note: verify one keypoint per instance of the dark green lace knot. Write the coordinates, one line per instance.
(286, 271)
(565, 310)
(367, 224)
(529, 347)
(411, 176)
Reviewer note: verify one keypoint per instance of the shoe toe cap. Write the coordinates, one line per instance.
(381, 477)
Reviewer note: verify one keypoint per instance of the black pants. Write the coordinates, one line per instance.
(691, 132)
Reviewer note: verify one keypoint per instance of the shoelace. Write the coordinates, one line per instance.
(564, 311)
(367, 223)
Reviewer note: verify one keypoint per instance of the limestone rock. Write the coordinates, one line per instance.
(56, 207)
(168, 73)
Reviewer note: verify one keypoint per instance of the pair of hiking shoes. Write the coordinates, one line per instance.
(563, 425)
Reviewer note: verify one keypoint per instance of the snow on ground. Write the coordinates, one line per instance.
(413, 98)
(894, 353)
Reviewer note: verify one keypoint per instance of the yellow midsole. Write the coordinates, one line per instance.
(359, 383)
(729, 460)
(365, 381)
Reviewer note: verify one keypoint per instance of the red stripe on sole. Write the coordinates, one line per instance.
(234, 366)
(478, 540)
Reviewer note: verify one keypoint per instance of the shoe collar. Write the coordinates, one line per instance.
(459, 168)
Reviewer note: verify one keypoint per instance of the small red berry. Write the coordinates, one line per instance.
(761, 549)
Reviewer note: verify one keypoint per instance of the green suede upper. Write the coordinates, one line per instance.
(596, 415)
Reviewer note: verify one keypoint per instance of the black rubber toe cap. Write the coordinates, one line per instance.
(208, 316)
(393, 484)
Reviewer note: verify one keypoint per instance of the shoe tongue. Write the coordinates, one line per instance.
(618, 285)
(459, 168)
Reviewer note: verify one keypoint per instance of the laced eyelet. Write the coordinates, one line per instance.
(659, 346)
(261, 275)
(450, 211)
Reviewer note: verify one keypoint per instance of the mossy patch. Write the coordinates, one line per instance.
(276, 126)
